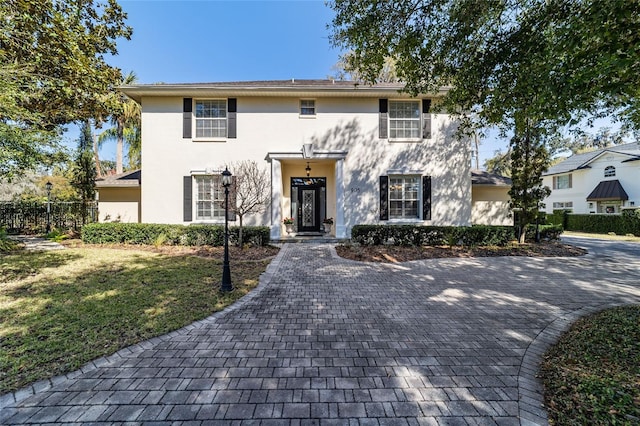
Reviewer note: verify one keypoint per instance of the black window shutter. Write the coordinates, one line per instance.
(232, 109)
(187, 198)
(384, 197)
(232, 200)
(187, 110)
(383, 126)
(426, 197)
(426, 119)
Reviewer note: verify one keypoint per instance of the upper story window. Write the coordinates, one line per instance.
(609, 171)
(209, 198)
(562, 182)
(307, 107)
(211, 118)
(404, 193)
(404, 120)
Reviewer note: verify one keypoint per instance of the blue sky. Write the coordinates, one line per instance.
(212, 40)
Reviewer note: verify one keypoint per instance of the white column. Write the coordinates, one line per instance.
(339, 179)
(276, 199)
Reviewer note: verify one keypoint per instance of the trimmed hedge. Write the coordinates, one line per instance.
(626, 223)
(158, 234)
(416, 235)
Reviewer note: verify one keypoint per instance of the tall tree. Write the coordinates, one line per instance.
(500, 163)
(529, 159)
(53, 71)
(125, 118)
(84, 180)
(252, 191)
(565, 59)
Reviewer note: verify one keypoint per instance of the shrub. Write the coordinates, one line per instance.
(626, 223)
(547, 232)
(159, 234)
(417, 235)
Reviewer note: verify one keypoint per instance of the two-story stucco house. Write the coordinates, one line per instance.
(602, 181)
(334, 149)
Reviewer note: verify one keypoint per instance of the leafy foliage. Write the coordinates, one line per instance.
(53, 72)
(626, 223)
(591, 374)
(529, 159)
(560, 60)
(85, 168)
(150, 233)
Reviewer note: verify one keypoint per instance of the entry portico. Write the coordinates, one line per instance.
(307, 186)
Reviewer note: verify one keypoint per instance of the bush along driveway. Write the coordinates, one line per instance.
(324, 338)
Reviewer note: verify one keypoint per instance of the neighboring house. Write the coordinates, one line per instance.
(119, 197)
(490, 199)
(602, 181)
(334, 149)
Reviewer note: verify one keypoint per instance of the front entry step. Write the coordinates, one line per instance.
(309, 239)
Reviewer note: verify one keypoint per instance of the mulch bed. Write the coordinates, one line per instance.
(396, 254)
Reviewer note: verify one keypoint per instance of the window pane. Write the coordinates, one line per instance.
(211, 119)
(404, 193)
(209, 198)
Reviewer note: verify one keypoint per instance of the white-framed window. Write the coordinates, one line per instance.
(563, 205)
(404, 196)
(404, 120)
(209, 197)
(609, 171)
(562, 181)
(307, 107)
(211, 118)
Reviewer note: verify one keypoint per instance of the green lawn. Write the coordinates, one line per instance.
(629, 238)
(61, 309)
(592, 375)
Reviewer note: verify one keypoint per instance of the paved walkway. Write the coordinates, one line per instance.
(327, 341)
(33, 243)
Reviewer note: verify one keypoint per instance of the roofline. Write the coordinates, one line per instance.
(328, 88)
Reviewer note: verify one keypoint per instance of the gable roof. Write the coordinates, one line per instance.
(581, 161)
(481, 177)
(293, 87)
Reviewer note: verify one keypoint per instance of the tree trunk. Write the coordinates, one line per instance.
(96, 156)
(240, 236)
(119, 145)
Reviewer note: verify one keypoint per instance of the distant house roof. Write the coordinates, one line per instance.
(608, 190)
(581, 161)
(127, 179)
(291, 87)
(481, 177)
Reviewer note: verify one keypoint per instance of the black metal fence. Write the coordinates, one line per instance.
(25, 217)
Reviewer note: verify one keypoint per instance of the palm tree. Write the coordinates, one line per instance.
(125, 118)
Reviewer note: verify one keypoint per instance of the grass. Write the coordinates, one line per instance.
(611, 237)
(61, 309)
(592, 375)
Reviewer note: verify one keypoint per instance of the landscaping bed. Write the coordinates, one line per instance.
(395, 254)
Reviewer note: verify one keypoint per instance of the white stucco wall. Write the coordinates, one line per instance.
(585, 180)
(273, 125)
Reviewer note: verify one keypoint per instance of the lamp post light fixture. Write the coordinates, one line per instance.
(307, 169)
(226, 271)
(48, 186)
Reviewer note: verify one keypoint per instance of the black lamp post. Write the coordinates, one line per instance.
(48, 186)
(226, 271)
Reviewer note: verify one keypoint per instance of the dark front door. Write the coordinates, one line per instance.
(308, 211)
(308, 203)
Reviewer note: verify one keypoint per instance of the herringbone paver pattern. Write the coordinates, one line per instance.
(326, 341)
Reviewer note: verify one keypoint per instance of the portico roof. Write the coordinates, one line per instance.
(608, 190)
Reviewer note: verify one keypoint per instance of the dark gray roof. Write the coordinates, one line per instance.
(608, 190)
(481, 177)
(581, 161)
(126, 179)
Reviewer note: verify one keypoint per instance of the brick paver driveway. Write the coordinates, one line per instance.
(330, 341)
